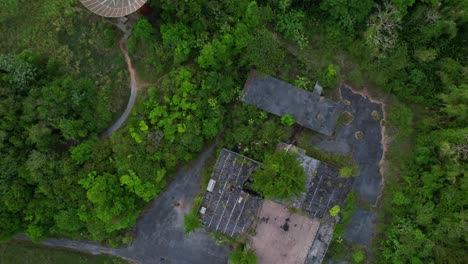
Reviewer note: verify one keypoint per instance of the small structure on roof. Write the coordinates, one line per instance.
(280, 98)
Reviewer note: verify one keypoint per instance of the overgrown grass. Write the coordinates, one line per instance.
(337, 160)
(191, 220)
(243, 256)
(28, 253)
(225, 239)
(344, 119)
(339, 249)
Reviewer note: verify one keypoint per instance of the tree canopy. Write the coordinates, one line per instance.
(280, 177)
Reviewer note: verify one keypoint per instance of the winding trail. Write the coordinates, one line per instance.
(133, 80)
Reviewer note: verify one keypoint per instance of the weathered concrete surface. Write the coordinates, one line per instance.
(367, 152)
(320, 245)
(361, 229)
(160, 231)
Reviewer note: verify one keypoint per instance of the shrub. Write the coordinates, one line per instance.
(358, 257)
(241, 256)
(191, 222)
(288, 120)
(335, 210)
(329, 77)
(345, 118)
(281, 176)
(346, 172)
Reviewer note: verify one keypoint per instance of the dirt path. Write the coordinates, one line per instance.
(127, 30)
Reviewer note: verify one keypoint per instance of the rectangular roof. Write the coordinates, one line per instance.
(324, 187)
(279, 98)
(229, 209)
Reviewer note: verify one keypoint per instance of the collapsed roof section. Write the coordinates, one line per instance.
(280, 98)
(227, 206)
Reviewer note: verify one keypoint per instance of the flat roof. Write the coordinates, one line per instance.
(280, 98)
(326, 190)
(324, 187)
(229, 208)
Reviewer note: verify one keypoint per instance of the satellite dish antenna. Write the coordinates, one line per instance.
(113, 8)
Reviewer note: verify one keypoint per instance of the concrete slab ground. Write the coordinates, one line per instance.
(361, 229)
(282, 237)
(367, 152)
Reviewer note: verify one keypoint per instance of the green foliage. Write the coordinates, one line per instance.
(330, 76)
(456, 105)
(264, 53)
(346, 213)
(302, 82)
(29, 253)
(348, 13)
(243, 256)
(58, 96)
(288, 120)
(335, 210)
(291, 24)
(344, 119)
(110, 205)
(334, 159)
(179, 38)
(346, 172)
(281, 176)
(83, 152)
(191, 220)
(145, 190)
(143, 31)
(358, 257)
(252, 132)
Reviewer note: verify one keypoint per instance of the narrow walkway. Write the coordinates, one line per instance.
(127, 30)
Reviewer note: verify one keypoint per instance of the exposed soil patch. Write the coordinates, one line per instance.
(286, 238)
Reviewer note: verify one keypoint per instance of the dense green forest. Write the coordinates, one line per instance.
(27, 253)
(63, 81)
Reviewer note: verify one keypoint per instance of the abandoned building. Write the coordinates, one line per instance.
(324, 187)
(231, 207)
(310, 110)
(276, 233)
